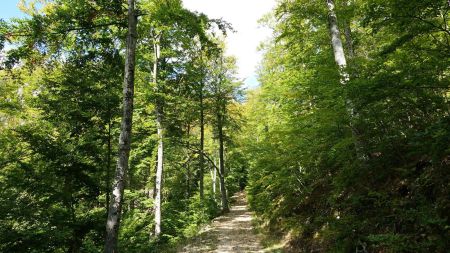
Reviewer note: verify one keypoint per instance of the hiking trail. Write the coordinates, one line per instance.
(233, 232)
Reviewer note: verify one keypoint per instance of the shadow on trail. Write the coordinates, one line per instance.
(230, 233)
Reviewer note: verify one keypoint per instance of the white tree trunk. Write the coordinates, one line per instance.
(188, 167)
(223, 190)
(115, 207)
(341, 61)
(202, 143)
(159, 126)
(214, 178)
(338, 49)
(159, 178)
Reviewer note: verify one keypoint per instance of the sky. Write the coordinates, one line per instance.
(242, 14)
(9, 9)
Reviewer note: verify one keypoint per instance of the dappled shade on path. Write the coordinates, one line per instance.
(232, 232)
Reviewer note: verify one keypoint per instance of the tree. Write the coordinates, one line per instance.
(303, 125)
(62, 128)
(223, 89)
(60, 109)
(115, 208)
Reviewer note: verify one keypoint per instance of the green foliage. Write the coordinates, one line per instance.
(360, 167)
(304, 173)
(60, 94)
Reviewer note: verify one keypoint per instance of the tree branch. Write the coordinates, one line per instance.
(116, 23)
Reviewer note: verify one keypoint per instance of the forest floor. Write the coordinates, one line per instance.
(230, 233)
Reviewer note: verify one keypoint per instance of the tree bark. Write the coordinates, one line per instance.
(159, 175)
(341, 61)
(214, 178)
(349, 40)
(338, 49)
(108, 165)
(159, 126)
(223, 190)
(115, 208)
(188, 167)
(202, 143)
(76, 242)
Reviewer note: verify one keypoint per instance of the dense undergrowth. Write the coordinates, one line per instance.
(374, 180)
(335, 157)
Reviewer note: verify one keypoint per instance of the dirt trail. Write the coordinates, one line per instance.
(230, 233)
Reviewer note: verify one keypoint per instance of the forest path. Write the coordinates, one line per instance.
(230, 233)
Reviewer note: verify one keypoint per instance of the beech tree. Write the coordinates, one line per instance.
(344, 146)
(61, 106)
(115, 208)
(309, 125)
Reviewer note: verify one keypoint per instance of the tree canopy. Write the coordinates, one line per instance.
(129, 116)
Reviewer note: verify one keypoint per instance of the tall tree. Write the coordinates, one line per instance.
(301, 127)
(223, 88)
(202, 139)
(341, 61)
(336, 42)
(160, 131)
(115, 208)
(60, 107)
(223, 190)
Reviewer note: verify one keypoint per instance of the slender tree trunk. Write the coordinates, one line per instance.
(108, 166)
(338, 49)
(188, 168)
(348, 34)
(214, 178)
(159, 175)
(159, 126)
(202, 143)
(349, 40)
(341, 61)
(76, 242)
(115, 208)
(223, 190)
